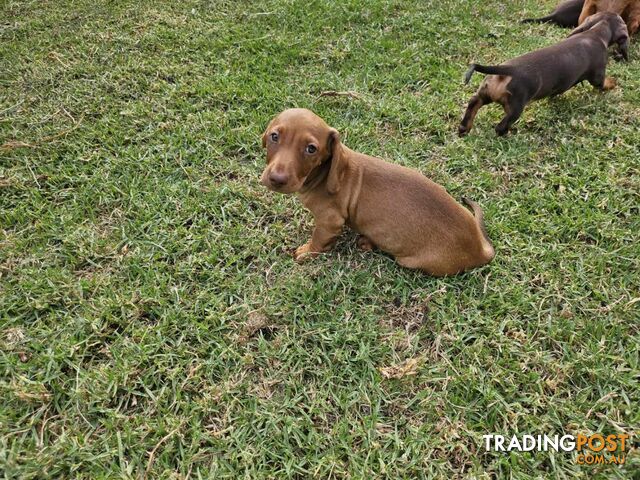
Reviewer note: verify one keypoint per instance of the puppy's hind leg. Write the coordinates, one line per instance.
(434, 266)
(363, 243)
(513, 108)
(476, 102)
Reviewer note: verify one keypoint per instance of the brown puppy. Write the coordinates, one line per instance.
(629, 10)
(549, 71)
(395, 208)
(565, 15)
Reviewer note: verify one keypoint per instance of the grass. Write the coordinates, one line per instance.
(152, 323)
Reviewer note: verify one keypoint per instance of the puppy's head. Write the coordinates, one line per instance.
(619, 35)
(297, 142)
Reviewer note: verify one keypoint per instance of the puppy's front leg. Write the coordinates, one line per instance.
(324, 237)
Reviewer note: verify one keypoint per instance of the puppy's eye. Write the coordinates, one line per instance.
(274, 137)
(311, 149)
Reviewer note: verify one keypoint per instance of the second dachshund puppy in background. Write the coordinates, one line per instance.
(565, 15)
(549, 71)
(394, 208)
(629, 10)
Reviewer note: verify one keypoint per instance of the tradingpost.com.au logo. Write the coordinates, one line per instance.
(592, 449)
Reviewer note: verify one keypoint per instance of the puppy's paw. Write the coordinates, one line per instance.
(363, 243)
(502, 131)
(304, 253)
(609, 83)
(462, 130)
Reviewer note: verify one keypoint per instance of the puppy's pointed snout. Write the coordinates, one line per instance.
(278, 179)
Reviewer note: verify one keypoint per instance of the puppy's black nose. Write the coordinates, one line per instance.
(278, 179)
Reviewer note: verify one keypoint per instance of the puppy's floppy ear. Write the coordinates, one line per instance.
(623, 47)
(338, 162)
(587, 24)
(621, 37)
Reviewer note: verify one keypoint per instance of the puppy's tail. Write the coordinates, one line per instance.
(548, 18)
(479, 216)
(488, 69)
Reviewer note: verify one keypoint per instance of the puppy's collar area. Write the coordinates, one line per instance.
(604, 30)
(608, 33)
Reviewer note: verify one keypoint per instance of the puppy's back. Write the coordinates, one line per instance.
(401, 210)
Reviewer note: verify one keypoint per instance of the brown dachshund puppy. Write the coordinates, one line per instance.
(565, 15)
(394, 208)
(629, 10)
(549, 71)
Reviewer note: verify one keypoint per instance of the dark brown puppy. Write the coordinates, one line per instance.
(629, 10)
(395, 208)
(565, 15)
(549, 71)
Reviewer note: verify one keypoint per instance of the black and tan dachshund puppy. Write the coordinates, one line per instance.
(549, 71)
(565, 15)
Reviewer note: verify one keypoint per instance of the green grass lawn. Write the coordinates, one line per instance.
(152, 321)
